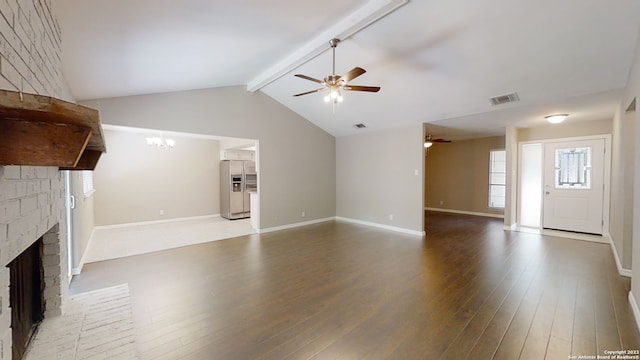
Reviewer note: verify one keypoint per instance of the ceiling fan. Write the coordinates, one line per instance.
(429, 140)
(334, 83)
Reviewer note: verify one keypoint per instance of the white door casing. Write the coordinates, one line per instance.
(574, 185)
(69, 206)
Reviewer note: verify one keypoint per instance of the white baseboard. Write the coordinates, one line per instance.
(382, 226)
(634, 307)
(294, 225)
(116, 226)
(622, 271)
(338, 218)
(499, 216)
(512, 227)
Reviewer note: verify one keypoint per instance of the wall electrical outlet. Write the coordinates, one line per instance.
(302, 214)
(441, 202)
(161, 212)
(391, 217)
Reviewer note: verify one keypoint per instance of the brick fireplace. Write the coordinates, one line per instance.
(31, 198)
(32, 207)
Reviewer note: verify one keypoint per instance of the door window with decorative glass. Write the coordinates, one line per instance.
(573, 168)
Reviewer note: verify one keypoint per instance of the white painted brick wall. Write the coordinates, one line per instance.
(31, 198)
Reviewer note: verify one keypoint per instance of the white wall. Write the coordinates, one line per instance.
(134, 181)
(376, 177)
(632, 92)
(622, 169)
(297, 159)
(233, 143)
(511, 201)
(567, 129)
(82, 221)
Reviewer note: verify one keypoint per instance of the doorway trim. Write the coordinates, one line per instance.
(606, 201)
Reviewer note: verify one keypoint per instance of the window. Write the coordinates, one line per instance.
(497, 178)
(573, 168)
(87, 183)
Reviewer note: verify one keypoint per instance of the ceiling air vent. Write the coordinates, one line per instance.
(503, 99)
(359, 126)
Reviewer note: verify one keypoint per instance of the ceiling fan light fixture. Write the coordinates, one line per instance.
(556, 118)
(336, 83)
(429, 140)
(334, 95)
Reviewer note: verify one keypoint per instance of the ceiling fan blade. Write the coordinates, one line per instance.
(308, 78)
(361, 88)
(352, 74)
(310, 92)
(441, 140)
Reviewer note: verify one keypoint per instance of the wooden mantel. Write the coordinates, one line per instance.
(43, 131)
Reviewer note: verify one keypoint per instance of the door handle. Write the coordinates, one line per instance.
(72, 202)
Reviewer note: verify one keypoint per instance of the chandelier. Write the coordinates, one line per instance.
(161, 142)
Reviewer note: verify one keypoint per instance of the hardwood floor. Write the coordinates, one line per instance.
(469, 290)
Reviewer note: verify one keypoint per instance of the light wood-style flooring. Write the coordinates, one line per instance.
(468, 290)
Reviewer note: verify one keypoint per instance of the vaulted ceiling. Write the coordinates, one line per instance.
(436, 61)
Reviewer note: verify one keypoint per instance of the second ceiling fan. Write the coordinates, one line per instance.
(334, 84)
(429, 140)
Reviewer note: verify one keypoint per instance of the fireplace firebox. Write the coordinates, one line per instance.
(26, 297)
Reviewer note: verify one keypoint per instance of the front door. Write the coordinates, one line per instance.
(574, 186)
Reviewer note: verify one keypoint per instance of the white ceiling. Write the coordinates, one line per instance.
(436, 61)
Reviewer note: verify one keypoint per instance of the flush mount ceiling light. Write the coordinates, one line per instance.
(556, 118)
